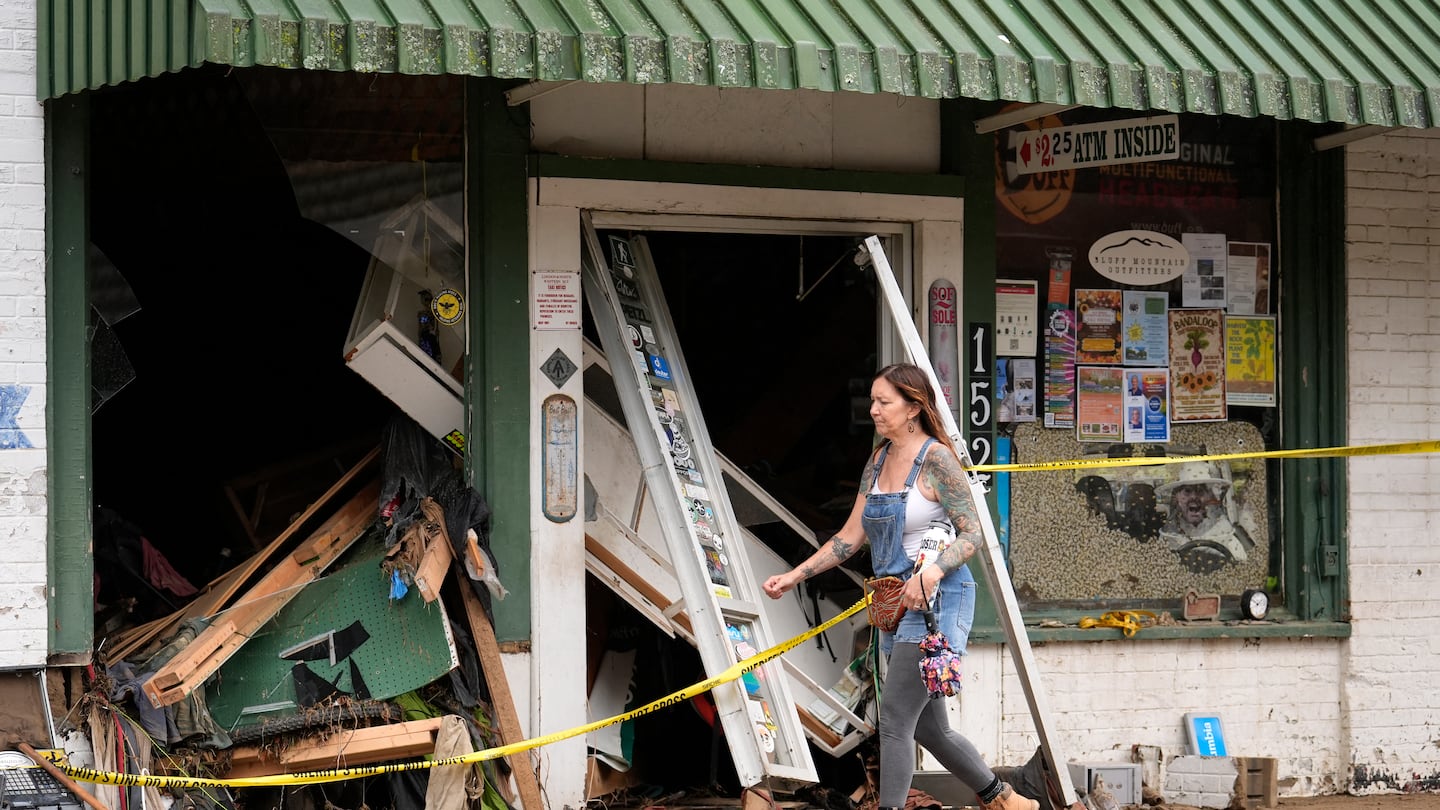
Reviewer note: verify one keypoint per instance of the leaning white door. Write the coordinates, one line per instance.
(707, 546)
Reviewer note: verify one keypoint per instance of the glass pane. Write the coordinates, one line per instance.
(1136, 319)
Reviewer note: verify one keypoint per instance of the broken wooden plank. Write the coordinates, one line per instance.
(213, 602)
(199, 660)
(813, 725)
(342, 749)
(216, 595)
(435, 564)
(673, 610)
(488, 651)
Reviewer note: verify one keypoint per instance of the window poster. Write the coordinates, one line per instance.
(1097, 326)
(1197, 365)
(1017, 313)
(1146, 402)
(1249, 270)
(1250, 360)
(1015, 387)
(1059, 343)
(1098, 399)
(1203, 284)
(1144, 328)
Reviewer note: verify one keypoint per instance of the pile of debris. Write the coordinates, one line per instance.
(333, 646)
(361, 634)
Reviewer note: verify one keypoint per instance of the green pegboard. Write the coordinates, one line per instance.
(409, 646)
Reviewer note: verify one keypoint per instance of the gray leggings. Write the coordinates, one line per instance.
(909, 716)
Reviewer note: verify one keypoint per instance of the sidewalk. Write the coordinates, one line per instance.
(1386, 801)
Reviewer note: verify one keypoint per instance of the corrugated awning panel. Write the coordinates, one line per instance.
(1346, 61)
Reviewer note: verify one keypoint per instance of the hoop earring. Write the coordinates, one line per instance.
(910, 426)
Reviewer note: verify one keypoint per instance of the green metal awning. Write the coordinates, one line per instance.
(1348, 61)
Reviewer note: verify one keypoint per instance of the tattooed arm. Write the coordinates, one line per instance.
(944, 480)
(834, 551)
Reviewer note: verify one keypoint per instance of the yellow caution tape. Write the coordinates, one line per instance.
(1128, 621)
(1147, 461)
(734, 672)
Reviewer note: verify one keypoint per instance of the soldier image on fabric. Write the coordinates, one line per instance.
(1200, 526)
(1127, 506)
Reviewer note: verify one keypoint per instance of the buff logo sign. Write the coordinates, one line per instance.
(1134, 140)
(1139, 258)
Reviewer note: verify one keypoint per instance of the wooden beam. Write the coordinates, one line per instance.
(493, 667)
(634, 580)
(826, 734)
(188, 670)
(222, 596)
(215, 596)
(64, 778)
(343, 748)
(437, 556)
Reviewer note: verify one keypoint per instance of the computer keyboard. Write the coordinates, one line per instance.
(34, 789)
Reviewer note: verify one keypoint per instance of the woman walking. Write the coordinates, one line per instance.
(913, 483)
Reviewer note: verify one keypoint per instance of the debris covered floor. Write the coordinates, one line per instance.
(358, 635)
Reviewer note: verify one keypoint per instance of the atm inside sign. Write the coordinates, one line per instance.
(1134, 140)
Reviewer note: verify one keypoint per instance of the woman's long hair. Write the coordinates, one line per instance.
(914, 385)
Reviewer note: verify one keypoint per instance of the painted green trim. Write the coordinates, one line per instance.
(714, 174)
(69, 561)
(497, 374)
(1313, 383)
(972, 156)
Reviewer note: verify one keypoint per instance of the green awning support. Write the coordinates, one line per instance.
(1345, 61)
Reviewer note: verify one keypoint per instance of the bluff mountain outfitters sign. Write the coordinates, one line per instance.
(1139, 258)
(1107, 143)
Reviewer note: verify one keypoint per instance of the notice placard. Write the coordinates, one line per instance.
(557, 300)
(1248, 264)
(1017, 318)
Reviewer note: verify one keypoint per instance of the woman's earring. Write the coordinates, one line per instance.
(910, 427)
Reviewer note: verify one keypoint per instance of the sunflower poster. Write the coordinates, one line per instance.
(1197, 365)
(1250, 360)
(1145, 328)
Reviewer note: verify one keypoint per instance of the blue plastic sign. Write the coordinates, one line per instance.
(1207, 736)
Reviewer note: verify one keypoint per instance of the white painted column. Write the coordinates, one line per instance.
(556, 672)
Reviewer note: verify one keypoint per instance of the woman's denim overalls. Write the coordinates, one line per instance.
(884, 521)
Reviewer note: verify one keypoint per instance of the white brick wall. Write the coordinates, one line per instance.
(23, 637)
(1390, 691)
(1277, 698)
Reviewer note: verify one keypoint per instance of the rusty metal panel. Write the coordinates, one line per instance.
(1342, 61)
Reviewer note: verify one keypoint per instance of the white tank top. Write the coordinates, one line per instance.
(920, 513)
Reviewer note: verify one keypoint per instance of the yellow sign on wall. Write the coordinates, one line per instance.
(1250, 360)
